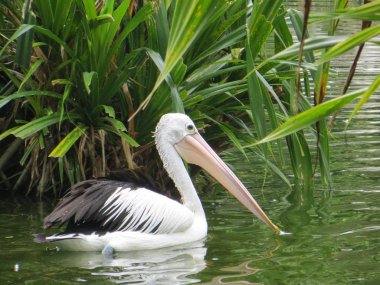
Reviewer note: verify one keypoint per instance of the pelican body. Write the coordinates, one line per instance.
(106, 214)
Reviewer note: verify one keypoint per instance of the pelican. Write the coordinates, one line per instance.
(104, 215)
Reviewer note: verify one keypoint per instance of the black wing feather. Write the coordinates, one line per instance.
(80, 206)
(159, 182)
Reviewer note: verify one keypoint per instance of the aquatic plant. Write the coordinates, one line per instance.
(83, 83)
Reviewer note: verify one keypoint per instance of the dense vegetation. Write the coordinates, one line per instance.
(83, 83)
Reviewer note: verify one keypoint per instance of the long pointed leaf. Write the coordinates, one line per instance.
(311, 116)
(20, 31)
(31, 70)
(36, 125)
(349, 43)
(14, 96)
(177, 104)
(187, 22)
(64, 145)
(372, 89)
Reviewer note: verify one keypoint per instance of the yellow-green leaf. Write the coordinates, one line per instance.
(64, 145)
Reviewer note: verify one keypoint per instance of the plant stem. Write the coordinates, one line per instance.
(8, 154)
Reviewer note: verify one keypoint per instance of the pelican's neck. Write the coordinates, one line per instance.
(178, 173)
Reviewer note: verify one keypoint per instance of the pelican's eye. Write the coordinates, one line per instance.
(190, 127)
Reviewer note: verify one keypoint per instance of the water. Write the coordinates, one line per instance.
(335, 240)
(335, 233)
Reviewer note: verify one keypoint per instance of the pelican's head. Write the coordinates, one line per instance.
(179, 131)
(174, 127)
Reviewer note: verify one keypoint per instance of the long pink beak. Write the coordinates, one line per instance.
(194, 149)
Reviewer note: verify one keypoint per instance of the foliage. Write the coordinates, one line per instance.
(84, 83)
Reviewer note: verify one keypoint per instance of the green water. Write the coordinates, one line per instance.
(335, 238)
(335, 234)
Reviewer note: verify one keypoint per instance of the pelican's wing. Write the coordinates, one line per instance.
(106, 206)
(145, 211)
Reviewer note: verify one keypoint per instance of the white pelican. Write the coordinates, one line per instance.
(106, 215)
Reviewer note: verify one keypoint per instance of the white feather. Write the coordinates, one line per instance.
(146, 210)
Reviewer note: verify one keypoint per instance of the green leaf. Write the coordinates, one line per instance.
(66, 93)
(87, 78)
(119, 129)
(110, 111)
(118, 125)
(349, 43)
(61, 14)
(140, 17)
(368, 12)
(65, 145)
(101, 20)
(20, 31)
(45, 10)
(9, 74)
(31, 70)
(226, 41)
(216, 68)
(188, 20)
(36, 125)
(310, 44)
(55, 38)
(114, 27)
(28, 150)
(177, 105)
(128, 139)
(25, 41)
(372, 89)
(275, 169)
(311, 116)
(90, 9)
(231, 135)
(8, 132)
(162, 28)
(23, 94)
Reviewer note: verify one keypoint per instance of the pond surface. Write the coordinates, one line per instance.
(335, 237)
(335, 233)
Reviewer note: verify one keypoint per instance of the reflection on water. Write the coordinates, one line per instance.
(237, 275)
(165, 266)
